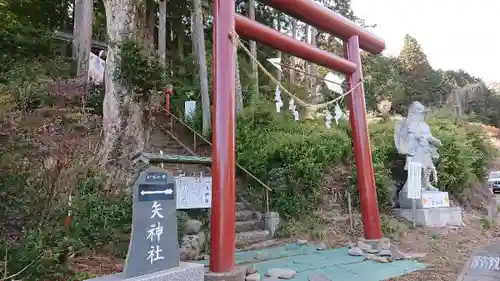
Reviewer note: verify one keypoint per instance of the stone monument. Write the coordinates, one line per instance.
(153, 252)
(413, 138)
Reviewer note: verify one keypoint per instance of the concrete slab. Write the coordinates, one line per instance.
(435, 217)
(184, 272)
(238, 274)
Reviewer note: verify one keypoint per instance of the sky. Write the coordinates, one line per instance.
(449, 31)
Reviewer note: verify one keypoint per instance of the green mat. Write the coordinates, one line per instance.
(333, 263)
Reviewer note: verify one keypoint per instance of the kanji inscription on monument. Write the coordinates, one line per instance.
(153, 244)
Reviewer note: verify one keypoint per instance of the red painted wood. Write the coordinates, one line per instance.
(361, 142)
(222, 224)
(255, 31)
(327, 20)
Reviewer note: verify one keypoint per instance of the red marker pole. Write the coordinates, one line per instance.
(68, 217)
(168, 92)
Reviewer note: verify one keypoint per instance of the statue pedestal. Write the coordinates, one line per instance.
(433, 210)
(434, 217)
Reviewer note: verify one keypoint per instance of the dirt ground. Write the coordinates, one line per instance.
(447, 249)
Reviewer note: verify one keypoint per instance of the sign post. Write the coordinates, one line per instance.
(414, 187)
(153, 245)
(153, 252)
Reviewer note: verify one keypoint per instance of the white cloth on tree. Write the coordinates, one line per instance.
(277, 98)
(291, 105)
(338, 113)
(328, 119)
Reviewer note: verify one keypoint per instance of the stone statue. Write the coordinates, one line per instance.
(413, 138)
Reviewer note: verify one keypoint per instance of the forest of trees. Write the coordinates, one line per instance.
(27, 27)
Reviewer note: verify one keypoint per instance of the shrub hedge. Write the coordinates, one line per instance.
(294, 156)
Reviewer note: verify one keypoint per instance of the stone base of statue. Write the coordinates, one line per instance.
(184, 272)
(432, 210)
(434, 217)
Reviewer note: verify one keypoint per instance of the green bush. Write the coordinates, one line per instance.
(20, 42)
(39, 68)
(292, 157)
(95, 99)
(140, 69)
(101, 222)
(464, 157)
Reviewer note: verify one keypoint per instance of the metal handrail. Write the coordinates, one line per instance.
(208, 142)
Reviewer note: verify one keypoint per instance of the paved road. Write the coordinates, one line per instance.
(484, 263)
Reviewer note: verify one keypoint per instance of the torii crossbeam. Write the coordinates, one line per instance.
(222, 238)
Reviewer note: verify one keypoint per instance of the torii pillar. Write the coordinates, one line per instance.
(226, 23)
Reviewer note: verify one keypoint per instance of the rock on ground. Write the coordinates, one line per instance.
(355, 251)
(193, 226)
(320, 246)
(252, 270)
(282, 273)
(301, 242)
(253, 277)
(191, 246)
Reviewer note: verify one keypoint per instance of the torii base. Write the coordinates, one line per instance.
(238, 274)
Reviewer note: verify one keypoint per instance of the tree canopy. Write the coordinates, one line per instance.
(26, 26)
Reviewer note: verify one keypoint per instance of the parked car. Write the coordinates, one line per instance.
(494, 181)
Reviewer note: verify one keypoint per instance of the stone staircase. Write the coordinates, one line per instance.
(250, 230)
(249, 227)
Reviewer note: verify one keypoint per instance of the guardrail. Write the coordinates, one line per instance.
(197, 136)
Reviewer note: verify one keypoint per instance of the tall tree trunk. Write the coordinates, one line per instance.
(199, 42)
(152, 8)
(180, 42)
(253, 50)
(306, 63)
(162, 31)
(126, 125)
(313, 95)
(278, 53)
(294, 35)
(82, 38)
(239, 92)
(313, 70)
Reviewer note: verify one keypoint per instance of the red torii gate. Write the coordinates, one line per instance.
(226, 23)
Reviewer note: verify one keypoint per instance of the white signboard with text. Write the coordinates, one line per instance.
(414, 182)
(190, 110)
(193, 192)
(435, 200)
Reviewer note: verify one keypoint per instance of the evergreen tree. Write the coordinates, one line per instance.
(422, 83)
